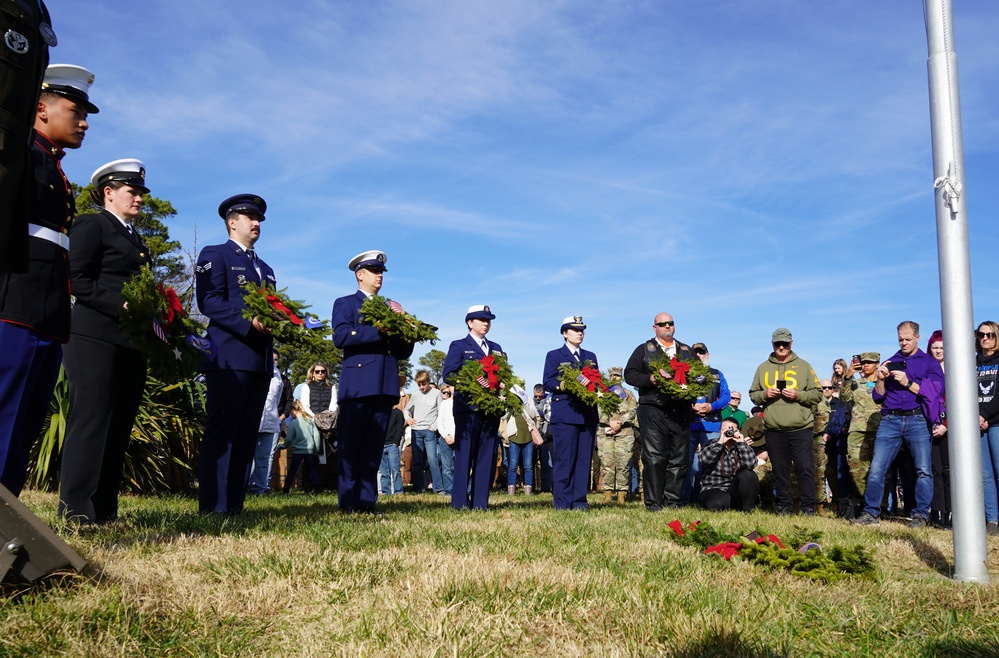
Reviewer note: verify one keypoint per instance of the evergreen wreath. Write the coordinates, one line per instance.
(768, 551)
(690, 379)
(378, 312)
(283, 316)
(487, 385)
(594, 394)
(158, 324)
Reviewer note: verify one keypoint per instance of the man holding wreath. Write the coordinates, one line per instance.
(665, 421)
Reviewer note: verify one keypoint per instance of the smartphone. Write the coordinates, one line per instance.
(856, 359)
(781, 384)
(896, 365)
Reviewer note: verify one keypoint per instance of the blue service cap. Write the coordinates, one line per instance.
(70, 81)
(246, 204)
(479, 312)
(573, 322)
(368, 260)
(129, 171)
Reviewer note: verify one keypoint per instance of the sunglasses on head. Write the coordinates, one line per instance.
(667, 323)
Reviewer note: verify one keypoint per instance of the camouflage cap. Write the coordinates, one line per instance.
(871, 357)
(781, 334)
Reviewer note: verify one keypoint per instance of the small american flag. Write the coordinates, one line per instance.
(158, 330)
(482, 381)
(396, 306)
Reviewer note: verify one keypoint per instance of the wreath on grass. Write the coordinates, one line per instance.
(381, 314)
(285, 317)
(487, 385)
(157, 323)
(768, 551)
(586, 383)
(688, 380)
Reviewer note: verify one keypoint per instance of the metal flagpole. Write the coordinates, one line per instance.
(967, 493)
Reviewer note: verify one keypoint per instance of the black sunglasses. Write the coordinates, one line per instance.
(319, 372)
(668, 323)
(781, 343)
(827, 388)
(985, 334)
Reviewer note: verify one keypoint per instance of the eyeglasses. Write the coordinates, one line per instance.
(827, 388)
(668, 323)
(446, 394)
(736, 399)
(319, 372)
(985, 334)
(699, 351)
(781, 343)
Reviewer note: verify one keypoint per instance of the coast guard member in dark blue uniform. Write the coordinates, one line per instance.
(475, 433)
(239, 373)
(106, 372)
(369, 387)
(34, 305)
(573, 424)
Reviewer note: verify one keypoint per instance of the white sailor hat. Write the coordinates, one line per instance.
(573, 322)
(70, 81)
(129, 171)
(479, 312)
(369, 260)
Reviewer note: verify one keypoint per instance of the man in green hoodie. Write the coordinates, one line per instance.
(787, 388)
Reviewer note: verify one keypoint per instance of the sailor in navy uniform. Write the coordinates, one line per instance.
(239, 373)
(106, 372)
(34, 305)
(369, 387)
(573, 424)
(475, 433)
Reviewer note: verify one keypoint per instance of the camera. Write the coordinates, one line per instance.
(896, 365)
(781, 384)
(730, 432)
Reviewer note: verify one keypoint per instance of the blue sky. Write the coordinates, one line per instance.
(741, 165)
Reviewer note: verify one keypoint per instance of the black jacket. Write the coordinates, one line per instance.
(637, 373)
(102, 258)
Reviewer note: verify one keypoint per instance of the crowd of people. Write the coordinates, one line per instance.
(869, 440)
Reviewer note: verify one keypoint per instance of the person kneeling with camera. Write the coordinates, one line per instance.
(729, 464)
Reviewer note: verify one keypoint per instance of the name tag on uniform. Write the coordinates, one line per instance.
(238, 269)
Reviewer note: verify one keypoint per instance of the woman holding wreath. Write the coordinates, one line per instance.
(106, 372)
(573, 423)
(475, 431)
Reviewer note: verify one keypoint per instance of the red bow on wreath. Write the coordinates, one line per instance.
(490, 368)
(276, 304)
(174, 307)
(680, 370)
(593, 375)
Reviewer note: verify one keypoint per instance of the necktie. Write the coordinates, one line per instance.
(485, 347)
(253, 259)
(575, 355)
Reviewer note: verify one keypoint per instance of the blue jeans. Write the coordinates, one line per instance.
(523, 456)
(446, 455)
(260, 469)
(390, 470)
(915, 432)
(425, 452)
(990, 471)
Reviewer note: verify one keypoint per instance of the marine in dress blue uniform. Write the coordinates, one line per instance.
(106, 372)
(475, 433)
(34, 305)
(369, 387)
(573, 423)
(239, 373)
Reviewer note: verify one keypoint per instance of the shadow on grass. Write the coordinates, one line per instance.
(961, 648)
(720, 642)
(931, 557)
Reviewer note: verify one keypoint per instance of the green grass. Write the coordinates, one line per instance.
(292, 577)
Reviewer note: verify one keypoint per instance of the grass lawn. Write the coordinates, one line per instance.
(292, 577)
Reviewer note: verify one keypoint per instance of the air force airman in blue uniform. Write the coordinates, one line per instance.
(475, 433)
(573, 424)
(239, 373)
(369, 387)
